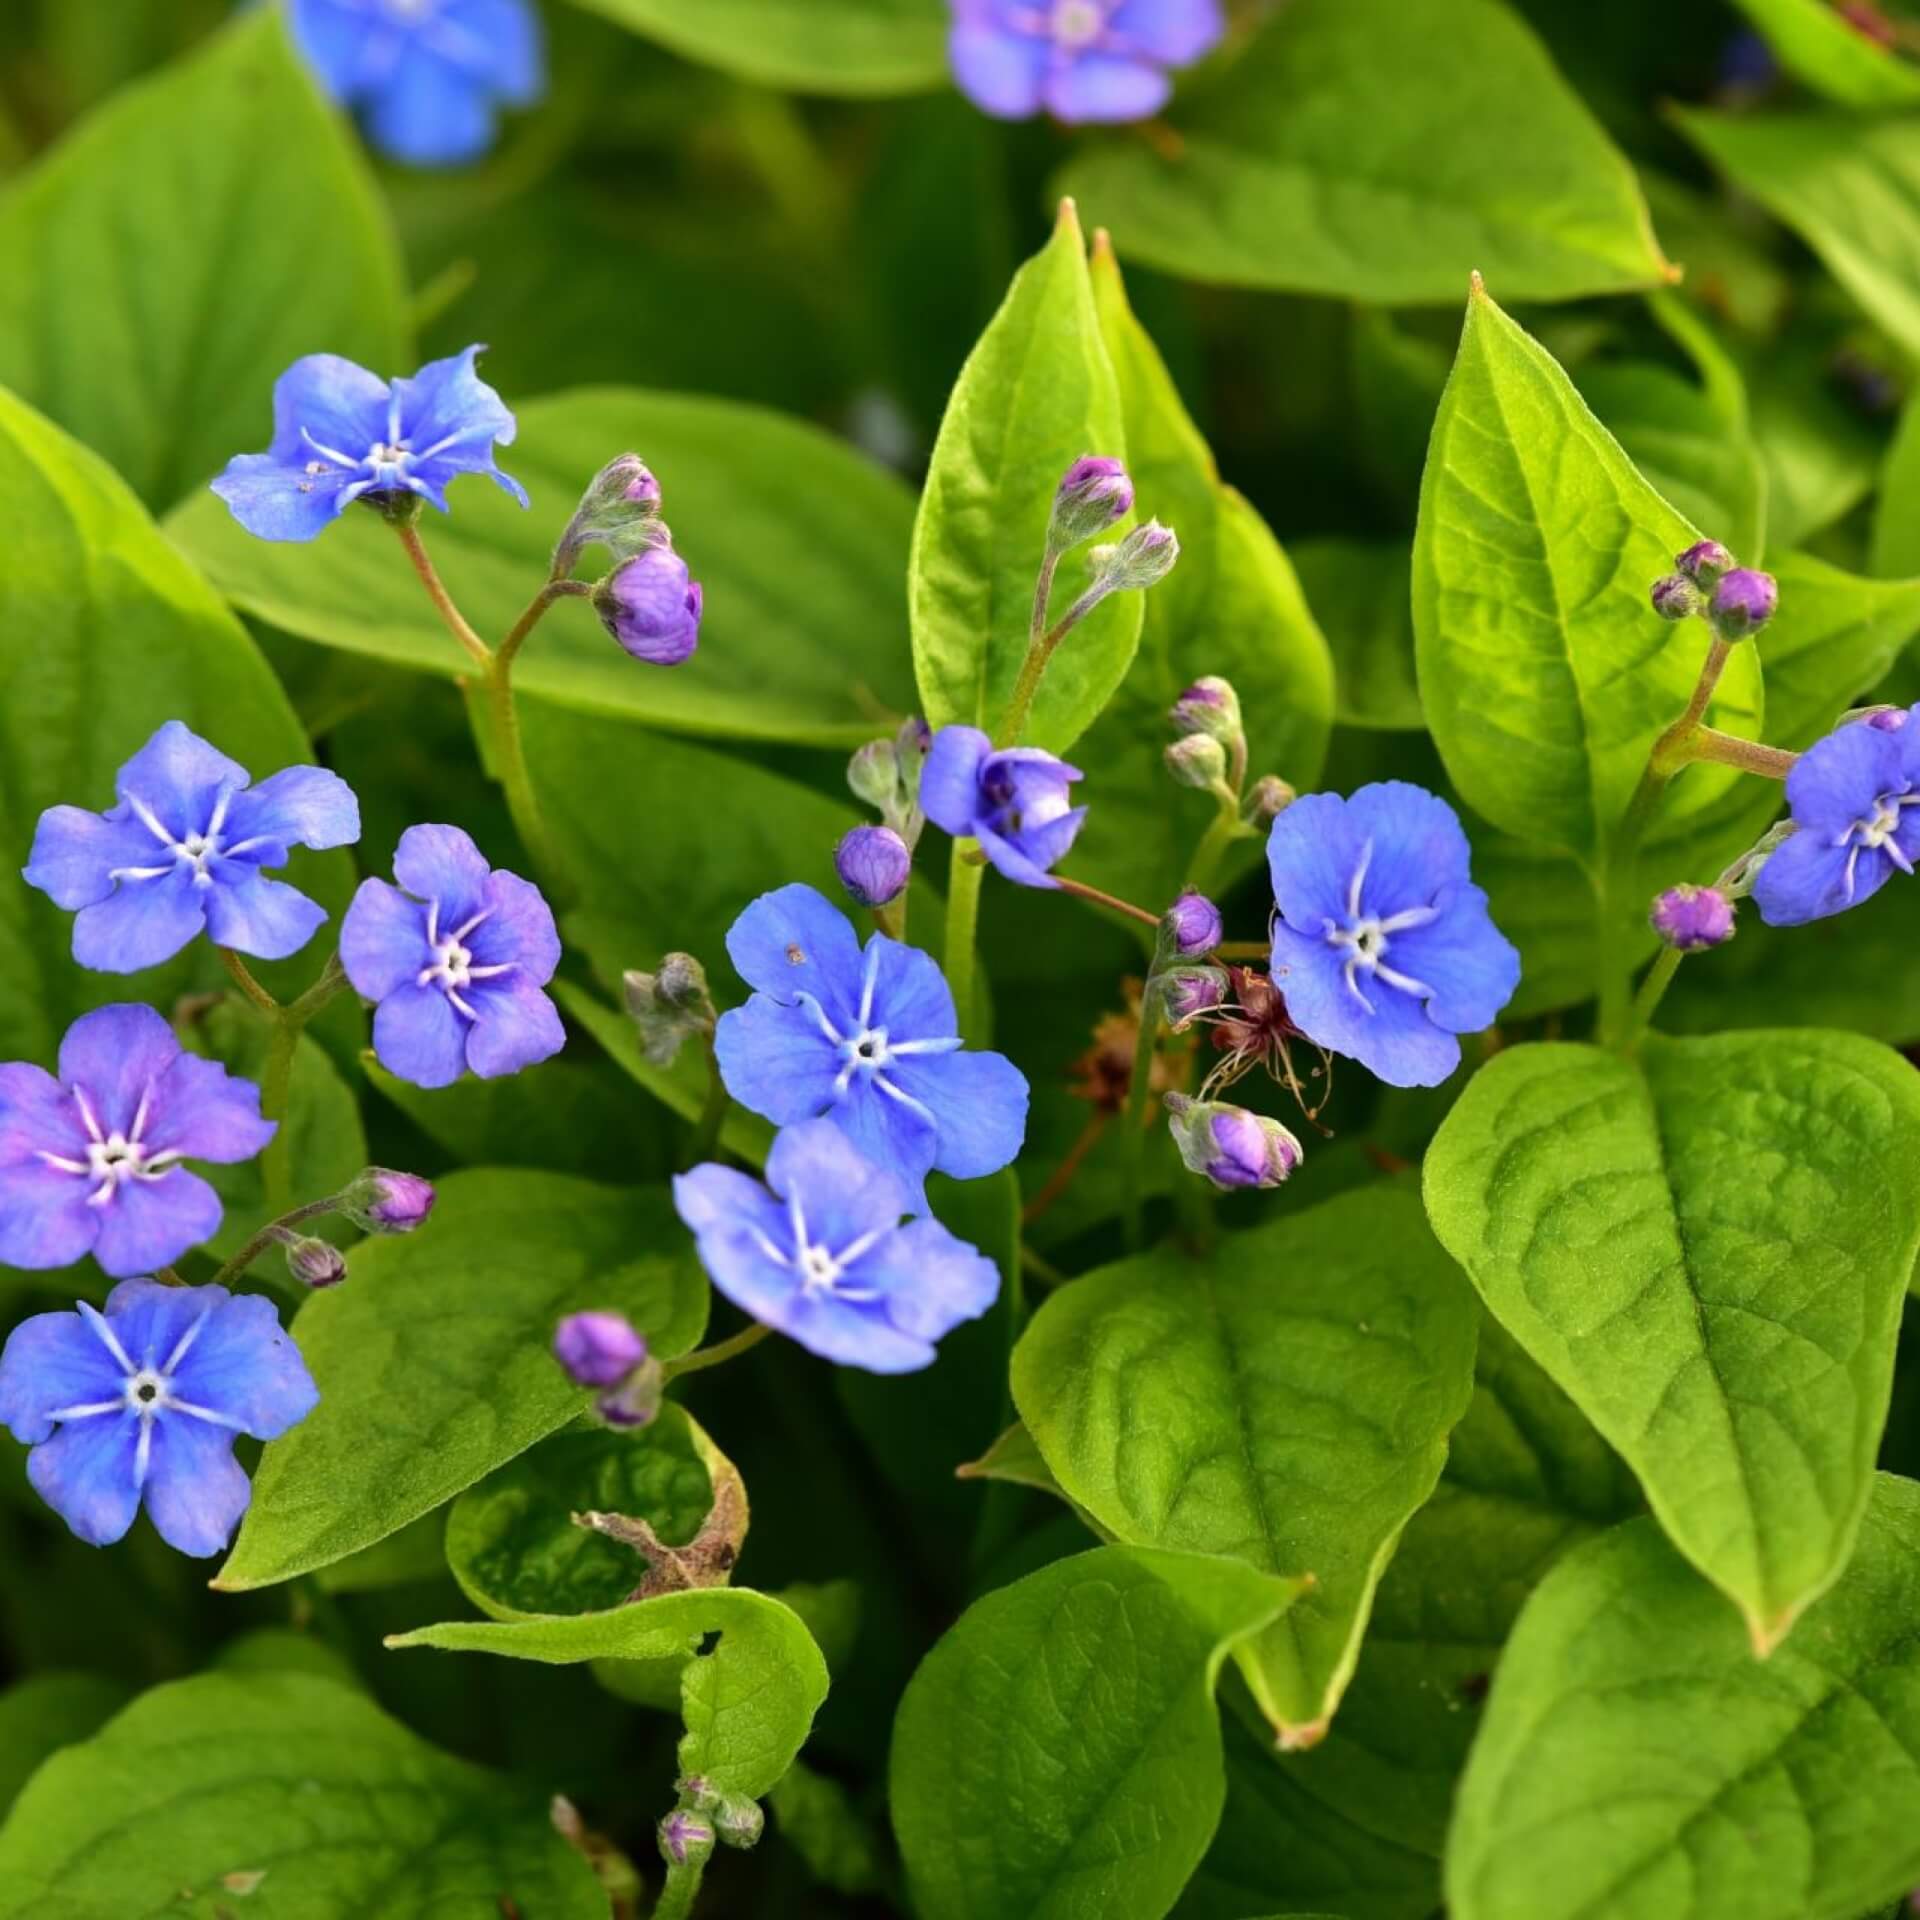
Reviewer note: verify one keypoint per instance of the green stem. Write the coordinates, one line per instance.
(1652, 990)
(243, 978)
(475, 648)
(1243, 950)
(510, 766)
(276, 1162)
(1034, 666)
(678, 1895)
(964, 878)
(1133, 1131)
(269, 1235)
(535, 612)
(1729, 750)
(718, 1354)
(1205, 866)
(713, 1113)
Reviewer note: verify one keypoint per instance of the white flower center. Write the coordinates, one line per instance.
(1077, 24)
(820, 1269)
(195, 850)
(1367, 938)
(112, 1158)
(868, 1053)
(1875, 834)
(452, 969)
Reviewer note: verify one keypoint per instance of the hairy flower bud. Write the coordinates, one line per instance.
(1743, 602)
(1266, 800)
(738, 1820)
(1143, 559)
(1675, 597)
(598, 1349)
(1093, 494)
(1208, 706)
(315, 1263)
(1229, 1145)
(874, 774)
(686, 1838)
(1198, 760)
(1704, 562)
(1689, 918)
(1193, 924)
(652, 606)
(620, 510)
(1188, 992)
(874, 865)
(635, 1402)
(383, 1201)
(670, 1006)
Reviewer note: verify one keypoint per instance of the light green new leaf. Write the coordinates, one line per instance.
(1058, 1753)
(1896, 513)
(104, 634)
(161, 353)
(1361, 593)
(1637, 1764)
(799, 542)
(1706, 1247)
(434, 1362)
(1379, 150)
(209, 1782)
(40, 1715)
(1231, 607)
(1037, 392)
(857, 48)
(1848, 184)
(1286, 1402)
(748, 1703)
(1821, 47)
(1545, 675)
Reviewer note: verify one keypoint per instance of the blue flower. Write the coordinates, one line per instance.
(1855, 798)
(1014, 802)
(426, 76)
(91, 1161)
(455, 963)
(184, 849)
(143, 1403)
(1082, 60)
(870, 1040)
(340, 432)
(824, 1258)
(1383, 946)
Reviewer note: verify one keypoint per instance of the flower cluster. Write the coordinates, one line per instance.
(1016, 801)
(1737, 601)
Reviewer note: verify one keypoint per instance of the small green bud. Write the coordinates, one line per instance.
(1198, 760)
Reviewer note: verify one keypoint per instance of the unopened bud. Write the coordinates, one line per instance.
(1198, 760)
(738, 1820)
(620, 510)
(1188, 992)
(686, 1838)
(911, 745)
(1208, 706)
(1093, 494)
(651, 605)
(598, 1349)
(382, 1201)
(1266, 800)
(635, 1402)
(1675, 597)
(315, 1263)
(874, 865)
(874, 774)
(1193, 925)
(669, 1007)
(1689, 918)
(1143, 559)
(1704, 562)
(1743, 602)
(1229, 1145)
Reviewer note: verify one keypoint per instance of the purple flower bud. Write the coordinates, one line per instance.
(874, 865)
(1266, 800)
(1143, 559)
(685, 1838)
(1704, 562)
(1887, 719)
(1194, 923)
(314, 1263)
(635, 1402)
(1691, 918)
(620, 509)
(652, 607)
(383, 1201)
(1743, 603)
(1675, 597)
(697, 1791)
(1208, 706)
(1188, 992)
(1232, 1147)
(1093, 494)
(598, 1349)
(1198, 760)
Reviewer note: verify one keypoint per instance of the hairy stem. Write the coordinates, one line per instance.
(1081, 891)
(269, 1235)
(1652, 991)
(243, 978)
(718, 1354)
(1133, 1129)
(456, 622)
(276, 1161)
(1729, 750)
(964, 878)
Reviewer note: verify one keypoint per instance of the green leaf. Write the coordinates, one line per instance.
(1707, 1247)
(799, 542)
(817, 1818)
(1545, 675)
(41, 1715)
(851, 47)
(1058, 1753)
(1896, 513)
(1636, 1761)
(1847, 184)
(1418, 139)
(1232, 606)
(1286, 1402)
(1036, 393)
(516, 1543)
(163, 356)
(1821, 47)
(104, 634)
(227, 1775)
(748, 1702)
(1361, 592)
(433, 1361)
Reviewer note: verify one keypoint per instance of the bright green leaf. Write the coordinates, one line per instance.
(1037, 392)
(1638, 1764)
(162, 354)
(1820, 46)
(851, 47)
(39, 1716)
(799, 542)
(1707, 1247)
(1896, 514)
(1378, 150)
(344, 1810)
(433, 1362)
(1058, 1753)
(1285, 1401)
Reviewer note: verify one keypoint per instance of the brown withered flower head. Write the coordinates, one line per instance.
(1104, 1073)
(1252, 1029)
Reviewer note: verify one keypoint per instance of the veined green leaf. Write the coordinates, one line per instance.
(1820, 46)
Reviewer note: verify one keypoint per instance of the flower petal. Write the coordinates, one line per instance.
(950, 779)
(1395, 1042)
(151, 1223)
(417, 1035)
(44, 1217)
(85, 1473)
(244, 1364)
(76, 854)
(794, 940)
(141, 924)
(442, 865)
(326, 399)
(517, 931)
(1469, 963)
(180, 778)
(775, 1060)
(842, 1195)
(1002, 74)
(1105, 88)
(1313, 851)
(979, 1105)
(507, 33)
(304, 805)
(383, 940)
(196, 1490)
(1838, 779)
(201, 1110)
(150, 1319)
(37, 1114)
(431, 112)
(911, 998)
(932, 1279)
(1173, 32)
(334, 40)
(1010, 860)
(50, 1361)
(892, 1134)
(1417, 845)
(715, 1196)
(518, 1027)
(281, 499)
(117, 1055)
(252, 914)
(1805, 878)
